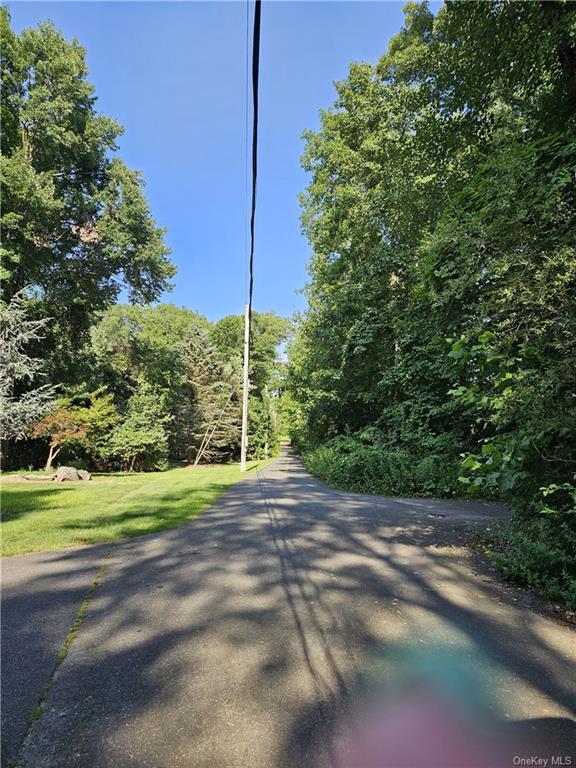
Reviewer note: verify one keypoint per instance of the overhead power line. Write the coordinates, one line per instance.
(248, 311)
(255, 73)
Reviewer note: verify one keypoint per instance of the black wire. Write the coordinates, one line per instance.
(246, 149)
(255, 72)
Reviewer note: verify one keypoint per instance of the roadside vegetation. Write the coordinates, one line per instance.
(438, 351)
(45, 515)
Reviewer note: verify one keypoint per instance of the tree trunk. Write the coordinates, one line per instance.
(52, 453)
(132, 460)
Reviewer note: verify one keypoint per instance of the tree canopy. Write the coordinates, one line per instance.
(156, 384)
(131, 386)
(441, 320)
(76, 224)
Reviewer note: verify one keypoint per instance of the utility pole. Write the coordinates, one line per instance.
(246, 386)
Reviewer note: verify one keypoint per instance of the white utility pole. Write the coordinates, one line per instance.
(246, 386)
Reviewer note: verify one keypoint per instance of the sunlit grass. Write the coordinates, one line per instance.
(45, 515)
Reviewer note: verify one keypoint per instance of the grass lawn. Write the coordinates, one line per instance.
(40, 516)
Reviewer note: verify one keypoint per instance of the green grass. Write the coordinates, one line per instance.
(42, 516)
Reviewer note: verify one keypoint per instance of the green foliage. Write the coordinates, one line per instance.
(264, 433)
(211, 432)
(542, 557)
(75, 221)
(441, 210)
(172, 351)
(78, 231)
(20, 404)
(133, 344)
(268, 331)
(538, 546)
(198, 368)
(352, 464)
(79, 421)
(140, 442)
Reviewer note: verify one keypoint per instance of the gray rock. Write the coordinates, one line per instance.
(84, 475)
(66, 473)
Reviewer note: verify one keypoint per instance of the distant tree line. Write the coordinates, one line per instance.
(438, 351)
(155, 385)
(85, 379)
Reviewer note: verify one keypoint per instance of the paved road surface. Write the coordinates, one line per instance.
(232, 641)
(41, 595)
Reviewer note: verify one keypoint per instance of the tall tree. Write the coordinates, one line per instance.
(216, 381)
(76, 224)
(268, 332)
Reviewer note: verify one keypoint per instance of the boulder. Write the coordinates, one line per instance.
(84, 475)
(66, 473)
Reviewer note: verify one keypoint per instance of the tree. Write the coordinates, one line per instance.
(268, 332)
(440, 318)
(143, 343)
(403, 139)
(20, 407)
(216, 384)
(264, 432)
(196, 366)
(75, 222)
(77, 422)
(140, 442)
(134, 345)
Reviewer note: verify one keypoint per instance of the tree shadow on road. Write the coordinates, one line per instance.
(240, 638)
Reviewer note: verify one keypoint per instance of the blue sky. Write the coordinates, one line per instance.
(173, 73)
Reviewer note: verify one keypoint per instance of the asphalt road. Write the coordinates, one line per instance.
(242, 639)
(41, 596)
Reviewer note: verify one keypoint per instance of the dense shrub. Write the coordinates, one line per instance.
(351, 464)
(538, 546)
(542, 556)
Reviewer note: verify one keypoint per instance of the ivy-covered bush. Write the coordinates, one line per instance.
(351, 464)
(538, 546)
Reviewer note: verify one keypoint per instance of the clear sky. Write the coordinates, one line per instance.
(173, 73)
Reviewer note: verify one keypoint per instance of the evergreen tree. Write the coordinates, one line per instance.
(20, 405)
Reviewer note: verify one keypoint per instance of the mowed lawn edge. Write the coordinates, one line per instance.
(43, 516)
